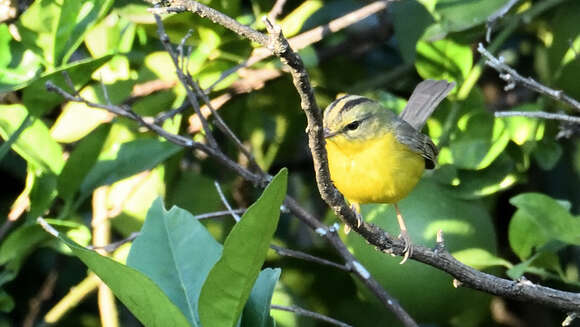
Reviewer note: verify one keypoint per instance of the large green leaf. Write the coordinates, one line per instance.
(257, 310)
(539, 220)
(141, 296)
(131, 158)
(34, 144)
(230, 282)
(444, 59)
(177, 253)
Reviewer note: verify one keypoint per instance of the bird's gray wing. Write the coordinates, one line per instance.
(425, 98)
(416, 141)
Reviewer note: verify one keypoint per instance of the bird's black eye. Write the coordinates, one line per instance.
(352, 126)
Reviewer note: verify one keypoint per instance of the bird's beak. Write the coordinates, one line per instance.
(328, 133)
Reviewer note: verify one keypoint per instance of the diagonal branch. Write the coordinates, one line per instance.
(438, 258)
(511, 76)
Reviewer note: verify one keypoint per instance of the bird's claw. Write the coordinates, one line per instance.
(408, 249)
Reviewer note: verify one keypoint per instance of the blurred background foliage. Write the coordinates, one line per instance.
(506, 192)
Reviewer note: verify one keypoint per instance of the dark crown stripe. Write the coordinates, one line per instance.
(335, 102)
(353, 103)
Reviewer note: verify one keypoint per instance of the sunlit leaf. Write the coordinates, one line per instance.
(34, 144)
(129, 159)
(479, 141)
(538, 220)
(443, 59)
(480, 259)
(38, 100)
(230, 282)
(76, 18)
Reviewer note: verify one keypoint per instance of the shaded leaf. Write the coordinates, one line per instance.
(257, 309)
(177, 253)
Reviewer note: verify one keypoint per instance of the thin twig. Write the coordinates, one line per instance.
(276, 10)
(183, 79)
(225, 202)
(491, 20)
(35, 303)
(220, 213)
(539, 114)
(511, 76)
(221, 124)
(307, 257)
(311, 314)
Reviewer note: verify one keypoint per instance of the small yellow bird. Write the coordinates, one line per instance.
(375, 156)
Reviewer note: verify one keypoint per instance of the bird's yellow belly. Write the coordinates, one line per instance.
(374, 171)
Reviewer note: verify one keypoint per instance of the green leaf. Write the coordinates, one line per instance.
(461, 15)
(409, 31)
(230, 282)
(473, 184)
(177, 253)
(293, 22)
(538, 220)
(479, 258)
(141, 296)
(479, 141)
(547, 153)
(524, 129)
(257, 309)
(76, 18)
(5, 147)
(80, 161)
(38, 100)
(35, 144)
(78, 119)
(18, 64)
(38, 27)
(444, 59)
(131, 158)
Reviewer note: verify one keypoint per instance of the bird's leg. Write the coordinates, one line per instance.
(408, 250)
(356, 208)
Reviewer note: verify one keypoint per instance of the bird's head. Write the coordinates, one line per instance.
(355, 118)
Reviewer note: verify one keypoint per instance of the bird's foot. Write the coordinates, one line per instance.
(359, 218)
(408, 250)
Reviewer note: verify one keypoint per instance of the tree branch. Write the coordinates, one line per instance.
(511, 76)
(539, 114)
(311, 314)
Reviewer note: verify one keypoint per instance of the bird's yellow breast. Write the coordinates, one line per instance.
(378, 170)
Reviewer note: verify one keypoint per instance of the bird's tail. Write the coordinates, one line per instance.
(425, 98)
